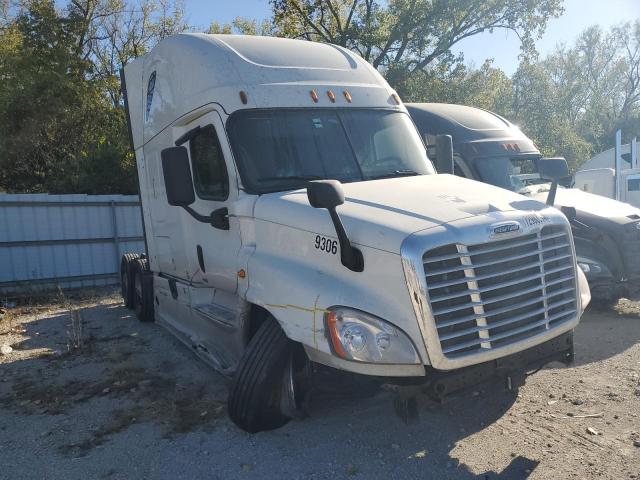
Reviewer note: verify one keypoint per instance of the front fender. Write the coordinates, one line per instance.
(296, 283)
(585, 291)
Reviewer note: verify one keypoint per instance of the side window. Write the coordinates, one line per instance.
(209, 170)
(458, 168)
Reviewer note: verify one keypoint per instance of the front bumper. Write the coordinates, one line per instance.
(513, 369)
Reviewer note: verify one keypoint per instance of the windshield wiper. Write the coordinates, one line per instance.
(290, 177)
(396, 173)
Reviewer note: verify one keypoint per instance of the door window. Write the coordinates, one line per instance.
(207, 161)
(458, 167)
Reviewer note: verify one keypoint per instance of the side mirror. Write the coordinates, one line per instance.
(554, 169)
(329, 194)
(444, 154)
(177, 176)
(325, 194)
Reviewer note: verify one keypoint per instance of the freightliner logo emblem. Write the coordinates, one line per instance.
(503, 228)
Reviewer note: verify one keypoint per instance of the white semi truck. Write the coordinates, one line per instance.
(293, 221)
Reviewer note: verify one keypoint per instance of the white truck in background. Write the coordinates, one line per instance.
(293, 222)
(622, 182)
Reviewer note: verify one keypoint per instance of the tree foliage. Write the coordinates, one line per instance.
(409, 35)
(574, 100)
(62, 124)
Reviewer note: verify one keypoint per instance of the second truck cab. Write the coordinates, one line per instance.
(293, 219)
(490, 149)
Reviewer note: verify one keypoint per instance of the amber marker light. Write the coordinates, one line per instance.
(314, 96)
(331, 96)
(332, 320)
(347, 96)
(242, 273)
(396, 98)
(243, 97)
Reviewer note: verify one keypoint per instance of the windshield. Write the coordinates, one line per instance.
(283, 149)
(519, 174)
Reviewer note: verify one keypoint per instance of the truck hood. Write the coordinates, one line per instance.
(382, 213)
(589, 203)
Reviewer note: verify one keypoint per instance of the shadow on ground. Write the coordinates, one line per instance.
(127, 374)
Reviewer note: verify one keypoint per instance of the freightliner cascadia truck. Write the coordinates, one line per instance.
(294, 222)
(490, 149)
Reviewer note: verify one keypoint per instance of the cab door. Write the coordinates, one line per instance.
(212, 247)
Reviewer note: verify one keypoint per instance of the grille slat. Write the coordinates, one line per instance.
(493, 249)
(489, 295)
(489, 301)
(501, 336)
(501, 260)
(490, 288)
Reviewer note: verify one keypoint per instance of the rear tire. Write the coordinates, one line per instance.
(142, 290)
(126, 278)
(256, 391)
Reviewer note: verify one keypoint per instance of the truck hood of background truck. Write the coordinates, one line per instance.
(589, 203)
(382, 213)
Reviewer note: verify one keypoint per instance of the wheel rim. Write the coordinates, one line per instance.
(295, 384)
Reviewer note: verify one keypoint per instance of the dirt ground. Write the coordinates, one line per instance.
(88, 392)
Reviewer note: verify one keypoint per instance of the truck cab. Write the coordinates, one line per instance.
(490, 149)
(294, 221)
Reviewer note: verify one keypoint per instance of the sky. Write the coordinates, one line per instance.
(502, 46)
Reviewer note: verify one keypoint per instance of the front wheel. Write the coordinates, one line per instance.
(266, 388)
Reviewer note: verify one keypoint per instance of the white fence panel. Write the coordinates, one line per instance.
(67, 240)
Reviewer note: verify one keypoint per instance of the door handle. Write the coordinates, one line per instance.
(220, 218)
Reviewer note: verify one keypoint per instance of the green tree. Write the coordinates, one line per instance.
(486, 87)
(243, 26)
(574, 100)
(62, 123)
(46, 102)
(403, 37)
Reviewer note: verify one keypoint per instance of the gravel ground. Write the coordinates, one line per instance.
(88, 392)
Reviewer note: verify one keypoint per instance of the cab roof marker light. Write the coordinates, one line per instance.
(331, 96)
(396, 98)
(347, 96)
(314, 96)
(243, 97)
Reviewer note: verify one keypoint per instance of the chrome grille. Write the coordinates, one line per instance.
(493, 294)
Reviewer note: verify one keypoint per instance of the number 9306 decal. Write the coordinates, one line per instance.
(325, 244)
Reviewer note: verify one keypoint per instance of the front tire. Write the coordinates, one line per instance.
(256, 393)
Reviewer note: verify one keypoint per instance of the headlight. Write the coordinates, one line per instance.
(361, 337)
